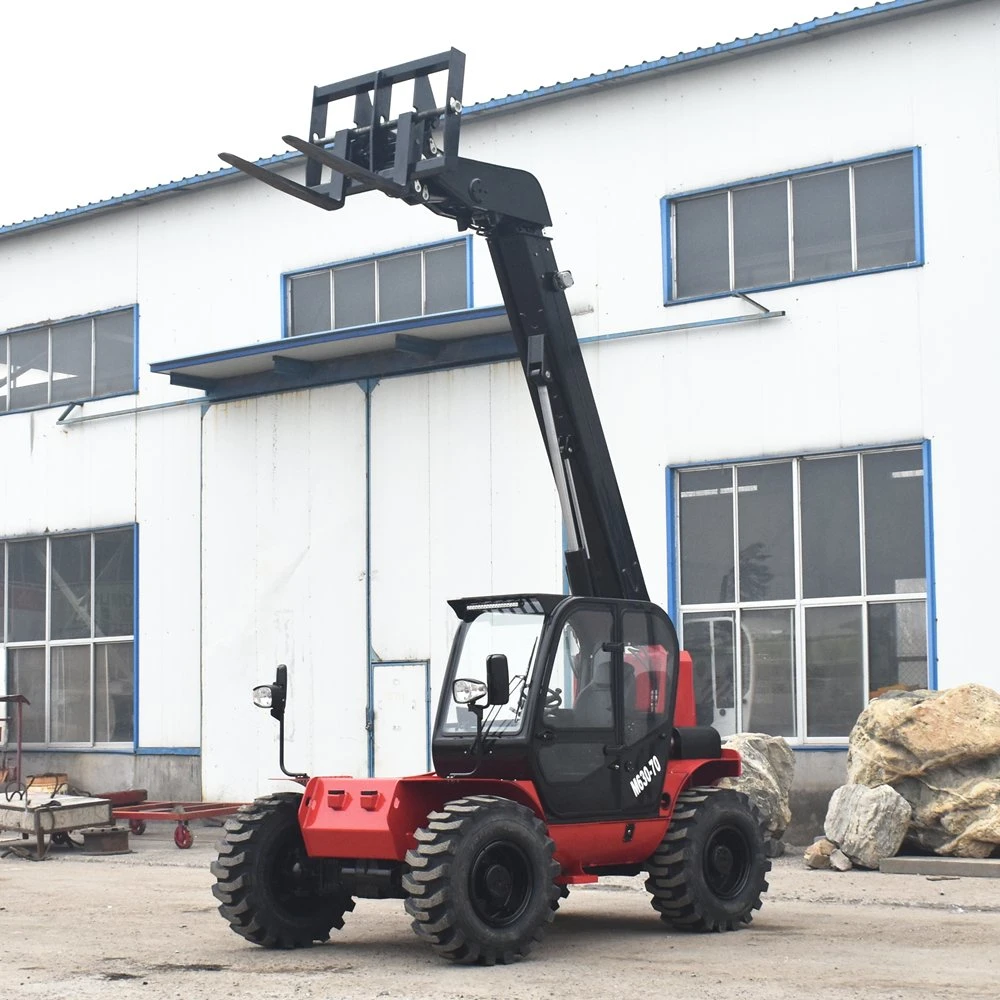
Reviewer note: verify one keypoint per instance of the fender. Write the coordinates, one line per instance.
(684, 774)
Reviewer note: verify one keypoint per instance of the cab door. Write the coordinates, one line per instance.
(575, 735)
(649, 653)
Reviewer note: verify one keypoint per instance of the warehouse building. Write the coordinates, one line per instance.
(242, 432)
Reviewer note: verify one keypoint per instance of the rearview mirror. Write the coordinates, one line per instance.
(497, 679)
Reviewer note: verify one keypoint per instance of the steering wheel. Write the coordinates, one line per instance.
(553, 698)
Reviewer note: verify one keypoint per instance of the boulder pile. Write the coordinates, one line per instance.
(940, 750)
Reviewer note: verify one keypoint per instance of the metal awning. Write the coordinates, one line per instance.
(401, 347)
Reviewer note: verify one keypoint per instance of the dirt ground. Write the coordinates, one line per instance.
(145, 925)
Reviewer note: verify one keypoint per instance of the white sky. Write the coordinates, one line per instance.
(102, 97)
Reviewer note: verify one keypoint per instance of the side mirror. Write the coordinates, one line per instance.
(497, 679)
(273, 696)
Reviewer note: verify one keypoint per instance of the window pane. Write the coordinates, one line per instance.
(115, 353)
(26, 590)
(834, 670)
(831, 535)
(354, 295)
(648, 674)
(702, 235)
(709, 640)
(71, 609)
(767, 557)
(445, 279)
(71, 361)
(113, 679)
(113, 582)
(582, 668)
(3, 592)
(769, 671)
(760, 234)
(399, 287)
(822, 211)
(883, 201)
(310, 295)
(29, 362)
(4, 374)
(706, 510)
(26, 675)
(894, 522)
(897, 647)
(69, 710)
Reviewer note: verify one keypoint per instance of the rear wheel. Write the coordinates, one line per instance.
(480, 882)
(268, 889)
(709, 872)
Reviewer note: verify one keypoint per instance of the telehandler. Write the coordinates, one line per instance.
(565, 746)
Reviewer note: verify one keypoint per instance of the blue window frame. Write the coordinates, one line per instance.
(418, 281)
(71, 360)
(814, 224)
(802, 586)
(68, 635)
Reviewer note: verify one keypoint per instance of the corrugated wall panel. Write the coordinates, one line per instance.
(168, 487)
(284, 582)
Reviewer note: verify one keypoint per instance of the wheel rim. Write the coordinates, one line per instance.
(291, 881)
(500, 883)
(727, 862)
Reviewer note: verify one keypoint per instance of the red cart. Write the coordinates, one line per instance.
(180, 813)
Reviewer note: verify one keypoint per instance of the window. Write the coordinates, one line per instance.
(67, 633)
(62, 362)
(813, 224)
(803, 589)
(398, 286)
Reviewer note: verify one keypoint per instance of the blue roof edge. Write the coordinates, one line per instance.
(736, 47)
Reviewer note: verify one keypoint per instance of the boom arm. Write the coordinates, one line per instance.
(402, 158)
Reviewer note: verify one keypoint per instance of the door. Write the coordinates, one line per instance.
(401, 717)
(648, 678)
(576, 724)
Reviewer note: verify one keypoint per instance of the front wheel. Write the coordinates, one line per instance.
(709, 872)
(481, 880)
(265, 882)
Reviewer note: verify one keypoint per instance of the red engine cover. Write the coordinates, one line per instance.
(375, 817)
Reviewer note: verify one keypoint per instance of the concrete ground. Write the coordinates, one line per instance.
(145, 925)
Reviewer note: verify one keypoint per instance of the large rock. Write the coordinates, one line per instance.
(867, 824)
(941, 751)
(768, 769)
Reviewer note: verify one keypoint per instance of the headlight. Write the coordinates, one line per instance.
(263, 696)
(465, 691)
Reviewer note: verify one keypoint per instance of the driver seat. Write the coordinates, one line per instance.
(593, 703)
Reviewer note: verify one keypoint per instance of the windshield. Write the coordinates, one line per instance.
(516, 636)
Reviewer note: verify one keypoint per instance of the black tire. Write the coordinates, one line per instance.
(480, 880)
(710, 870)
(268, 893)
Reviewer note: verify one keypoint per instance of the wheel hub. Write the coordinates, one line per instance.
(499, 882)
(722, 860)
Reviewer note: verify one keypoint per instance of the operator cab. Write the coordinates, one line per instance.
(587, 713)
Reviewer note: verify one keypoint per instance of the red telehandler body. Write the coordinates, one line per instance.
(565, 746)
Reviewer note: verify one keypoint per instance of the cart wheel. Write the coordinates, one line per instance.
(137, 826)
(61, 839)
(183, 837)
